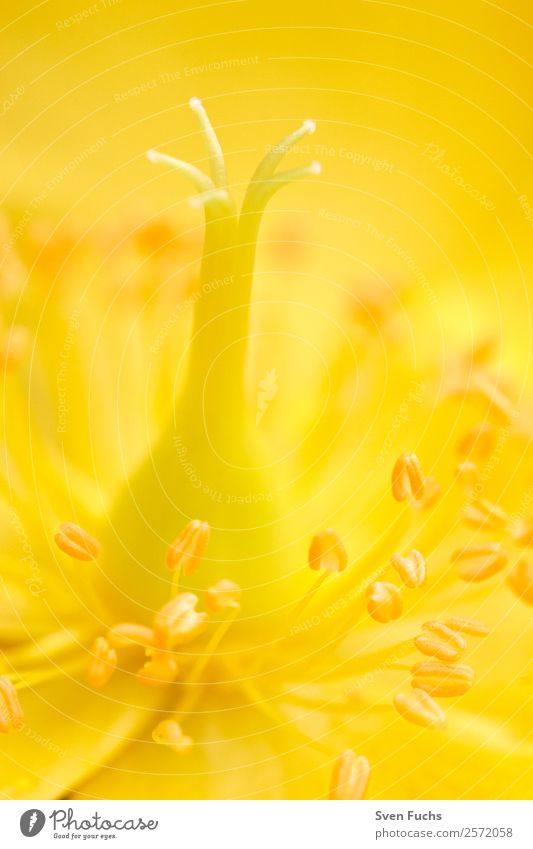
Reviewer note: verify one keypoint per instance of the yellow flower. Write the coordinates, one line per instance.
(175, 641)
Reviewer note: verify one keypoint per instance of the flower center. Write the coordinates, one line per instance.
(210, 461)
(155, 584)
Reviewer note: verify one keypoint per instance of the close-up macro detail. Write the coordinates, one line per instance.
(266, 401)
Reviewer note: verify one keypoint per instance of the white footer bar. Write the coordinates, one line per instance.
(268, 825)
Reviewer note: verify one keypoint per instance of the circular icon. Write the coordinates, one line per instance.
(32, 822)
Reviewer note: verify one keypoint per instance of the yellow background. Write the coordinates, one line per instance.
(381, 79)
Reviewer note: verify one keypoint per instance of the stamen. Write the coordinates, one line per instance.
(222, 595)
(430, 494)
(186, 552)
(169, 733)
(76, 542)
(161, 669)
(484, 514)
(327, 552)
(130, 633)
(13, 346)
(468, 626)
(479, 441)
(446, 644)
(520, 580)
(11, 715)
(350, 777)
(192, 693)
(374, 307)
(442, 679)
(479, 562)
(522, 531)
(467, 474)
(499, 404)
(420, 708)
(434, 648)
(384, 601)
(177, 622)
(411, 569)
(446, 633)
(328, 555)
(407, 478)
(103, 663)
(483, 351)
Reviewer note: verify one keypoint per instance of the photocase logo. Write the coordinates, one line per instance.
(32, 822)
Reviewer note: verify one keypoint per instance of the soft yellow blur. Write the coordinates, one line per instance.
(375, 283)
(382, 80)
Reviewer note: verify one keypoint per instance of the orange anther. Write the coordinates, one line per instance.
(420, 708)
(468, 626)
(467, 474)
(11, 715)
(327, 552)
(222, 595)
(130, 633)
(520, 580)
(350, 777)
(13, 346)
(187, 550)
(384, 601)
(76, 542)
(103, 663)
(411, 569)
(479, 562)
(169, 733)
(178, 622)
(522, 530)
(160, 669)
(440, 641)
(478, 441)
(484, 514)
(407, 478)
(442, 679)
(430, 493)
